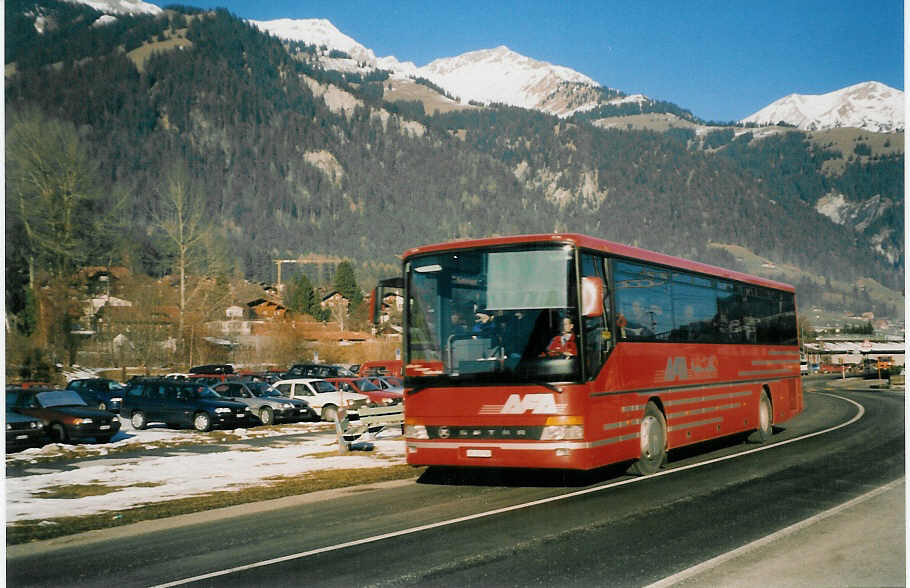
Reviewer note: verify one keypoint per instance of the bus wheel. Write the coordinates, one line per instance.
(653, 439)
(765, 419)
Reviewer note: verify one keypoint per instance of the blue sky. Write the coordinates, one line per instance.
(723, 60)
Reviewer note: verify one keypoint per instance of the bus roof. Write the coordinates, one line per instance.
(604, 246)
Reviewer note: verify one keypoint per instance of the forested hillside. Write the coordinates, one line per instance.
(260, 141)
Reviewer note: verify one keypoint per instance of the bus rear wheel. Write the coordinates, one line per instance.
(653, 441)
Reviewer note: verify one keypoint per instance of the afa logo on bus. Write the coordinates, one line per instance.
(535, 403)
(684, 368)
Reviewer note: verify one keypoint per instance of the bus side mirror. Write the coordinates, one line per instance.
(592, 297)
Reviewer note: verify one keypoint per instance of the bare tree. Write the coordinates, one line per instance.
(180, 214)
(50, 188)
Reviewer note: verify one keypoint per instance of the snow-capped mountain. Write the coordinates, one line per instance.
(114, 7)
(316, 31)
(870, 105)
(502, 75)
(485, 76)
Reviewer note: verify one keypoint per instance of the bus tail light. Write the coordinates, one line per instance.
(563, 428)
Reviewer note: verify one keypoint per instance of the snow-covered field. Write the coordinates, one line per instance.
(226, 463)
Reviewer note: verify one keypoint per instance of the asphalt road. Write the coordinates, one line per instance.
(532, 528)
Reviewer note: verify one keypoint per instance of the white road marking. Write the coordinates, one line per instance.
(410, 531)
(768, 539)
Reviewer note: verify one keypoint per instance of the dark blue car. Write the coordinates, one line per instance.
(181, 404)
(102, 393)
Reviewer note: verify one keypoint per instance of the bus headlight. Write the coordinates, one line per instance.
(563, 428)
(414, 431)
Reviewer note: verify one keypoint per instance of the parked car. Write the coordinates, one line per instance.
(64, 415)
(265, 404)
(23, 431)
(213, 368)
(830, 368)
(317, 370)
(392, 383)
(210, 379)
(268, 376)
(386, 367)
(322, 396)
(177, 376)
(365, 386)
(100, 392)
(179, 404)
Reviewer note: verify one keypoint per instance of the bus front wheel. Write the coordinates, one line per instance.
(765, 419)
(653, 441)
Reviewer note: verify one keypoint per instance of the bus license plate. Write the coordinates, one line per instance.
(479, 453)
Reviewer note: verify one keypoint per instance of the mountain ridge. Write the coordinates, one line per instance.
(871, 105)
(500, 75)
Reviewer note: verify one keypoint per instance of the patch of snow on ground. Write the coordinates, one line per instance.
(181, 475)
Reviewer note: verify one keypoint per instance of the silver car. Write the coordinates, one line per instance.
(269, 406)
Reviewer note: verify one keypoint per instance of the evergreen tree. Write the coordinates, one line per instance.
(346, 283)
(302, 297)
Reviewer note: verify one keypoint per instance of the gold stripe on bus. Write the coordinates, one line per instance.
(708, 398)
(619, 439)
(633, 408)
(682, 426)
(705, 410)
(785, 353)
(789, 362)
(617, 425)
(664, 390)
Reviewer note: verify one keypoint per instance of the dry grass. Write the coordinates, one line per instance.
(412, 91)
(140, 55)
(73, 491)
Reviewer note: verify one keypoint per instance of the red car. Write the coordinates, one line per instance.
(366, 387)
(828, 368)
(66, 417)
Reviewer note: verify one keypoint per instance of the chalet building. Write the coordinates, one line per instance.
(265, 309)
(103, 279)
(334, 300)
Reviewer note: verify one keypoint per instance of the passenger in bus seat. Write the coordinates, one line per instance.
(564, 344)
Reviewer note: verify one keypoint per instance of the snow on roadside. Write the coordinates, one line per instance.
(139, 479)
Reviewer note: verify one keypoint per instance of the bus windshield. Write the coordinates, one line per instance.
(493, 314)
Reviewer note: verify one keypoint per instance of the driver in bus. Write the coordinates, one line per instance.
(564, 344)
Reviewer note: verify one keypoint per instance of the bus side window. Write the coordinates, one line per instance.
(597, 338)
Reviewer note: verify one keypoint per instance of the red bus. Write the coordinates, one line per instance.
(567, 351)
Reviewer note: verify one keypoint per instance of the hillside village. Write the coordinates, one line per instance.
(125, 330)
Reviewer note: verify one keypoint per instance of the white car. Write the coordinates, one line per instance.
(322, 396)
